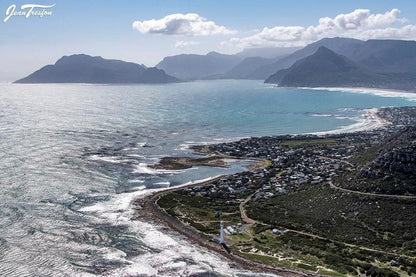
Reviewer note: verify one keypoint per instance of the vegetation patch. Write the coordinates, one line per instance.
(346, 231)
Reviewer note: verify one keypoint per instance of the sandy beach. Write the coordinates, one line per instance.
(369, 121)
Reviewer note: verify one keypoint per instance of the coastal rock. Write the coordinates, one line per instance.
(179, 163)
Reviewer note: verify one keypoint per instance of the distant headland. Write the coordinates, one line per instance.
(97, 70)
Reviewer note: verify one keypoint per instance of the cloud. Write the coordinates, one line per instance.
(190, 24)
(184, 44)
(360, 23)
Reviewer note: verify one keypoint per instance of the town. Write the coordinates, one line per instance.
(353, 168)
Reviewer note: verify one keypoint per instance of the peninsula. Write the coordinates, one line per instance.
(336, 204)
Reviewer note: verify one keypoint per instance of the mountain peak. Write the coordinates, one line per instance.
(324, 68)
(213, 53)
(325, 57)
(324, 50)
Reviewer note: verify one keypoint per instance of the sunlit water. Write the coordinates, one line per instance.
(72, 158)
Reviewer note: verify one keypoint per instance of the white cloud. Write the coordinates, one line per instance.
(360, 23)
(190, 24)
(184, 44)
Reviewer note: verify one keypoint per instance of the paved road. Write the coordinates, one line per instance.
(332, 185)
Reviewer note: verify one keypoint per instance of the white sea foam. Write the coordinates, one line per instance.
(374, 91)
(135, 268)
(108, 159)
(187, 144)
(170, 251)
(167, 183)
(142, 144)
(143, 168)
(135, 155)
(137, 181)
(348, 109)
(121, 202)
(115, 254)
(183, 147)
(321, 115)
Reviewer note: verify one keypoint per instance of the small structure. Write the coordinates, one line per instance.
(231, 230)
(222, 237)
(222, 233)
(276, 231)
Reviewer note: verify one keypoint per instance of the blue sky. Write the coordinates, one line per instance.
(105, 28)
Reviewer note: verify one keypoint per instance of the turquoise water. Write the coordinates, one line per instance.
(74, 156)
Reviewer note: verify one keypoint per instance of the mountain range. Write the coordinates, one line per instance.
(193, 67)
(378, 64)
(390, 63)
(219, 66)
(327, 62)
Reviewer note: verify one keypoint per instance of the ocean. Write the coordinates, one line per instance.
(74, 156)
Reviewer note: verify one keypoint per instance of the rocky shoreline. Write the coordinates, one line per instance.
(148, 208)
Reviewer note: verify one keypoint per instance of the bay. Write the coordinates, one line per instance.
(74, 156)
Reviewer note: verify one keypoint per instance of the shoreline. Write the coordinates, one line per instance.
(149, 209)
(370, 121)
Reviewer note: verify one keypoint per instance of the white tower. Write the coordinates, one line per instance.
(222, 232)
